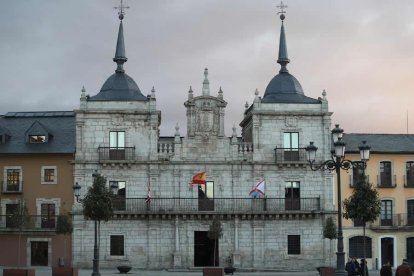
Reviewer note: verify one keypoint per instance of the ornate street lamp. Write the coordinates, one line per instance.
(336, 163)
(76, 189)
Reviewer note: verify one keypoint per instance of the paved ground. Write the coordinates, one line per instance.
(107, 272)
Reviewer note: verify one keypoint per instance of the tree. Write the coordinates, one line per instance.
(215, 233)
(330, 232)
(64, 226)
(19, 219)
(363, 205)
(97, 206)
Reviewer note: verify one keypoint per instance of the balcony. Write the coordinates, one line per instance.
(216, 205)
(408, 181)
(166, 150)
(16, 222)
(386, 181)
(401, 220)
(289, 155)
(116, 154)
(14, 187)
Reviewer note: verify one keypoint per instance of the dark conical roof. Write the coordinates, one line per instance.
(119, 86)
(284, 87)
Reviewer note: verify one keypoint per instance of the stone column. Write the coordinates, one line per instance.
(236, 253)
(177, 254)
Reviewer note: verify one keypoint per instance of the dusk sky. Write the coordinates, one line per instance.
(360, 52)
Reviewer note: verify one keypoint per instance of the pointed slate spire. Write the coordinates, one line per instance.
(206, 84)
(120, 57)
(283, 59)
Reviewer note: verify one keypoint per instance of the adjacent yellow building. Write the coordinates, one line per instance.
(390, 170)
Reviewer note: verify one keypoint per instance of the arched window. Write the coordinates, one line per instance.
(356, 247)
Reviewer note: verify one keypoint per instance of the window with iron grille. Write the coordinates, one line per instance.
(13, 180)
(356, 247)
(293, 244)
(49, 175)
(117, 245)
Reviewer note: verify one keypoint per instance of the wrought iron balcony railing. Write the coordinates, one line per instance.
(217, 205)
(386, 181)
(290, 155)
(394, 220)
(116, 154)
(27, 222)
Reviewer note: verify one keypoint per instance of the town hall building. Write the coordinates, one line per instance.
(161, 218)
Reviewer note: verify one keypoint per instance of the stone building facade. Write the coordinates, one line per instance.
(117, 135)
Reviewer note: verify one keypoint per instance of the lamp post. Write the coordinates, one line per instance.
(76, 188)
(336, 163)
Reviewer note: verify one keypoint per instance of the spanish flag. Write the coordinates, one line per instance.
(199, 178)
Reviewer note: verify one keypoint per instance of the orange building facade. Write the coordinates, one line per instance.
(390, 170)
(36, 153)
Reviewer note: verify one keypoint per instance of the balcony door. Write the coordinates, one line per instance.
(292, 195)
(409, 168)
(12, 218)
(206, 196)
(48, 215)
(291, 146)
(410, 212)
(117, 145)
(386, 213)
(385, 174)
(119, 200)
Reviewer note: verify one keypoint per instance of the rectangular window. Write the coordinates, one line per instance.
(13, 180)
(48, 215)
(386, 213)
(117, 245)
(291, 146)
(49, 175)
(385, 174)
(409, 171)
(293, 244)
(36, 139)
(292, 195)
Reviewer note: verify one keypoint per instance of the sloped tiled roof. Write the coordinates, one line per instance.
(380, 143)
(60, 125)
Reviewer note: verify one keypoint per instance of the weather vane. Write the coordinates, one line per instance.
(121, 9)
(282, 8)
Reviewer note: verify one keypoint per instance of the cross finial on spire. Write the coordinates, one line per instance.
(282, 8)
(121, 9)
